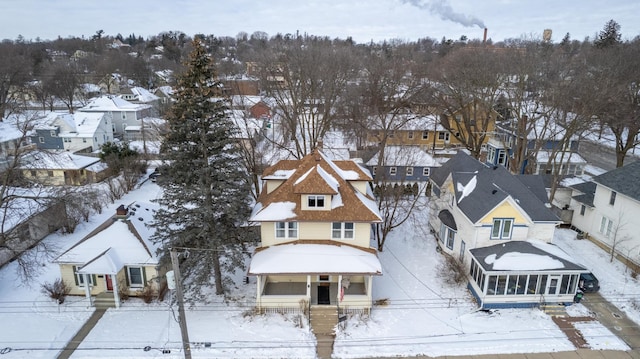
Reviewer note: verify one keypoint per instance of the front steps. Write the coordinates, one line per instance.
(104, 301)
(554, 309)
(323, 323)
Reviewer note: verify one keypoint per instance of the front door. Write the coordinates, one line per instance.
(553, 284)
(323, 294)
(107, 278)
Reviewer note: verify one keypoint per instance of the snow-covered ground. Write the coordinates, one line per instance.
(421, 313)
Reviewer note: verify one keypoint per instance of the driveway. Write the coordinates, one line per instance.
(613, 318)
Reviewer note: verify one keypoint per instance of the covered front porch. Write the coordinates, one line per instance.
(329, 275)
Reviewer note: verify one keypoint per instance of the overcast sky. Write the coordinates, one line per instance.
(363, 20)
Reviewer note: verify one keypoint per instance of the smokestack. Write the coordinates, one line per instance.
(484, 38)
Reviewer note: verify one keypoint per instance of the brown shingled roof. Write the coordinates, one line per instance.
(353, 209)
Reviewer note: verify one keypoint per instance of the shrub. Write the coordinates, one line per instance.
(123, 290)
(146, 294)
(57, 290)
(453, 270)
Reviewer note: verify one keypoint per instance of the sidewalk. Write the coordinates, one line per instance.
(73, 344)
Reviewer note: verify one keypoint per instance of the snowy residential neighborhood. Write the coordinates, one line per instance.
(302, 197)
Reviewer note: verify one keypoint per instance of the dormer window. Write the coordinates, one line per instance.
(314, 201)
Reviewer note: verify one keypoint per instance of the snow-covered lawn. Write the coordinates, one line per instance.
(421, 313)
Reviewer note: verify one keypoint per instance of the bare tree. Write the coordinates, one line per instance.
(306, 78)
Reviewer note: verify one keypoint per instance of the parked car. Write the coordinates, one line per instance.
(588, 283)
(154, 175)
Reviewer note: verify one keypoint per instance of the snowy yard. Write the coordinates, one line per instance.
(422, 314)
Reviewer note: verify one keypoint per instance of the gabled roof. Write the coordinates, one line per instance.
(117, 244)
(79, 124)
(41, 160)
(316, 174)
(112, 103)
(622, 180)
(588, 190)
(530, 255)
(479, 189)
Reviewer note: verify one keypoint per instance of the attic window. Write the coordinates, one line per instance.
(314, 201)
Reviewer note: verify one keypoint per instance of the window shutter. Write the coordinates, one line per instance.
(144, 276)
(93, 279)
(75, 275)
(126, 275)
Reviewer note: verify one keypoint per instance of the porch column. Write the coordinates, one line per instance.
(309, 288)
(87, 289)
(116, 296)
(369, 285)
(258, 289)
(339, 289)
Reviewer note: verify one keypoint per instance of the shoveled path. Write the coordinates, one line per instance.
(73, 344)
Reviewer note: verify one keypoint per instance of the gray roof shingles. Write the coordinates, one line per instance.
(623, 180)
(494, 184)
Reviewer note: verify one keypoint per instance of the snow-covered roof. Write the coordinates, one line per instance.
(532, 255)
(24, 204)
(79, 124)
(112, 103)
(316, 174)
(143, 95)
(297, 258)
(57, 160)
(566, 157)
(404, 156)
(117, 245)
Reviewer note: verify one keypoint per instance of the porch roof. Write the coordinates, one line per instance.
(107, 262)
(298, 258)
(531, 255)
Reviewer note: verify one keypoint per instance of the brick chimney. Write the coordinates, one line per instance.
(121, 212)
(484, 38)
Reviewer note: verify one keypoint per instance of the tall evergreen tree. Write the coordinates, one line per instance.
(206, 198)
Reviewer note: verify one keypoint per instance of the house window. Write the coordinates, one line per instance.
(375, 169)
(84, 140)
(502, 158)
(33, 173)
(447, 236)
(342, 230)
(41, 139)
(425, 171)
(443, 136)
(393, 171)
(409, 171)
(286, 230)
(606, 226)
(462, 249)
(80, 278)
(53, 133)
(410, 135)
(582, 209)
(50, 173)
(314, 201)
(324, 278)
(425, 135)
(392, 134)
(502, 228)
(491, 156)
(612, 199)
(134, 275)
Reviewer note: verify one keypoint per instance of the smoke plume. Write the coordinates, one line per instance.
(444, 10)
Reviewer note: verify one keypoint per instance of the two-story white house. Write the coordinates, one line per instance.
(73, 132)
(606, 209)
(124, 114)
(500, 227)
(315, 218)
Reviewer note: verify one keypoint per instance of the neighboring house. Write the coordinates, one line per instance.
(164, 94)
(13, 140)
(315, 217)
(606, 211)
(27, 217)
(62, 168)
(118, 257)
(474, 206)
(139, 95)
(402, 165)
(472, 120)
(543, 147)
(240, 85)
(123, 113)
(411, 129)
(254, 106)
(77, 132)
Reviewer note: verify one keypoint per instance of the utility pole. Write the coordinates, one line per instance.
(181, 315)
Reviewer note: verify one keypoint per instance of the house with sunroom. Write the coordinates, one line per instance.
(474, 206)
(315, 217)
(116, 259)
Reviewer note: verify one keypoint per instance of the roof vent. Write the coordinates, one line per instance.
(494, 191)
